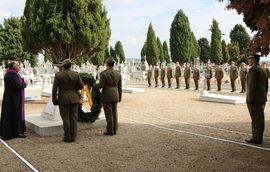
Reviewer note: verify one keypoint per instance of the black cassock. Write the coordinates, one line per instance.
(12, 116)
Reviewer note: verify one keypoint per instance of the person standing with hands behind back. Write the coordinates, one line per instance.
(65, 94)
(111, 84)
(12, 123)
(257, 84)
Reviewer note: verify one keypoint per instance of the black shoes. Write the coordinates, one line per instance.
(254, 141)
(68, 141)
(108, 134)
(21, 136)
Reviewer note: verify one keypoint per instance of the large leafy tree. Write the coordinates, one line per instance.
(11, 42)
(167, 57)
(256, 15)
(239, 35)
(65, 29)
(119, 51)
(205, 49)
(160, 51)
(180, 38)
(225, 53)
(151, 49)
(216, 50)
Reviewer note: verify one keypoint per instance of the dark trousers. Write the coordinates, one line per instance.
(169, 82)
(196, 82)
(156, 81)
(243, 85)
(163, 82)
(233, 84)
(177, 82)
(208, 84)
(187, 81)
(256, 112)
(219, 84)
(149, 81)
(69, 115)
(110, 110)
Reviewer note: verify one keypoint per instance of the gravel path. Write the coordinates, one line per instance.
(159, 130)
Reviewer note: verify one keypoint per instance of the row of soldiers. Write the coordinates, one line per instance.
(234, 73)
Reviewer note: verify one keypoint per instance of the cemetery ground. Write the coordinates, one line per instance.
(159, 130)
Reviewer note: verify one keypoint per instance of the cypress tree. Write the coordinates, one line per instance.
(119, 51)
(234, 51)
(216, 50)
(180, 38)
(151, 47)
(160, 51)
(205, 49)
(225, 54)
(194, 48)
(11, 42)
(167, 57)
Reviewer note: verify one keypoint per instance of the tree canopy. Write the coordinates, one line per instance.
(180, 38)
(256, 16)
(11, 42)
(205, 49)
(160, 51)
(167, 57)
(151, 48)
(216, 50)
(119, 51)
(65, 29)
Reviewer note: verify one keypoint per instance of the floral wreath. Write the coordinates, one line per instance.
(94, 100)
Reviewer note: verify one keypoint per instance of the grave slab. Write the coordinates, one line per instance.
(218, 98)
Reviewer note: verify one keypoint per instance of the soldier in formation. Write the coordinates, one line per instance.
(219, 74)
(233, 75)
(243, 77)
(156, 75)
(208, 75)
(196, 76)
(177, 74)
(162, 76)
(187, 73)
(149, 75)
(169, 76)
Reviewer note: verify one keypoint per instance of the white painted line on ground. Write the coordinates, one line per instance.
(20, 157)
(200, 135)
(192, 124)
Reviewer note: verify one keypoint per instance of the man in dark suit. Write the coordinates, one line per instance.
(257, 82)
(65, 94)
(111, 84)
(196, 76)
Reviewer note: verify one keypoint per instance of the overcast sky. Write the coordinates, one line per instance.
(130, 19)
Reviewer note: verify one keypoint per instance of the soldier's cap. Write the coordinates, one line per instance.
(256, 56)
(243, 63)
(65, 62)
(233, 62)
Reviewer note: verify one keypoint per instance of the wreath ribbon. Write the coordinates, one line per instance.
(88, 94)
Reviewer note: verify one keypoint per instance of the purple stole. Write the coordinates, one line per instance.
(22, 115)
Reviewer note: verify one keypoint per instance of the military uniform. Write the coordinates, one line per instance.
(162, 76)
(149, 77)
(177, 75)
(187, 72)
(256, 98)
(111, 84)
(233, 76)
(196, 77)
(208, 76)
(65, 93)
(219, 74)
(156, 75)
(243, 78)
(169, 76)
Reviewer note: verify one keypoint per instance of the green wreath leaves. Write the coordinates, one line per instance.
(93, 115)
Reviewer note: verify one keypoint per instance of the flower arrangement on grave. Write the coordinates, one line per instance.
(93, 97)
